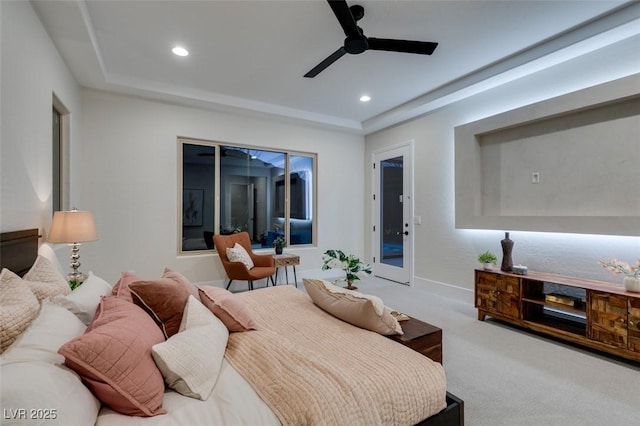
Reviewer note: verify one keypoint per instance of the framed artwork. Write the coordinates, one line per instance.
(192, 204)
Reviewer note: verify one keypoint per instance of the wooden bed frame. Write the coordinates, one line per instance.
(19, 249)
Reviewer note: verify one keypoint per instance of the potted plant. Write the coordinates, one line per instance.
(350, 264)
(279, 244)
(487, 259)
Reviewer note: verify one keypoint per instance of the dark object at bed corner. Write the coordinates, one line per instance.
(18, 250)
(452, 415)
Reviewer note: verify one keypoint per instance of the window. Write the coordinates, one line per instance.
(56, 167)
(60, 124)
(227, 189)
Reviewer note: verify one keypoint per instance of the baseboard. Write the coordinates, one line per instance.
(445, 290)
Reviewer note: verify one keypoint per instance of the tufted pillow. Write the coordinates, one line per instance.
(178, 278)
(361, 310)
(237, 253)
(44, 280)
(232, 310)
(18, 307)
(84, 300)
(164, 300)
(114, 358)
(121, 288)
(191, 359)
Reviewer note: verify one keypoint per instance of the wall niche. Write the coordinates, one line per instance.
(567, 164)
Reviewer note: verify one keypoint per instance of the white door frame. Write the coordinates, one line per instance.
(407, 150)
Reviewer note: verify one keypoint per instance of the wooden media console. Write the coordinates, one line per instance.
(595, 314)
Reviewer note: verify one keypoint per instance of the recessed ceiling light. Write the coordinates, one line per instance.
(180, 51)
(365, 98)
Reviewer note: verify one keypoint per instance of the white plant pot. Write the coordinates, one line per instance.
(632, 284)
(487, 266)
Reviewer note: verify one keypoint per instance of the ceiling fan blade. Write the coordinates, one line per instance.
(407, 46)
(324, 64)
(345, 18)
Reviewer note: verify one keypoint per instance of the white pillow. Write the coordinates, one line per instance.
(84, 300)
(190, 360)
(237, 253)
(36, 393)
(44, 280)
(53, 327)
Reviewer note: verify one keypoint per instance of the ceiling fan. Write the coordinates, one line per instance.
(356, 42)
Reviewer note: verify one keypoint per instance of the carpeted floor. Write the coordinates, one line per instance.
(508, 377)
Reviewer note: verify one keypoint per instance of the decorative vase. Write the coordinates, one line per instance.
(631, 283)
(349, 286)
(507, 248)
(278, 250)
(487, 266)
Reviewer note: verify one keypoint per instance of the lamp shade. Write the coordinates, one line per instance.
(73, 227)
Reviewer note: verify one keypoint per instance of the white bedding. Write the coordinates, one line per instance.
(232, 402)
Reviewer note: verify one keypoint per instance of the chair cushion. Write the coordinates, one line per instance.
(237, 253)
(361, 310)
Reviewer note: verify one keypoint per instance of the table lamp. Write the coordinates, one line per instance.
(73, 227)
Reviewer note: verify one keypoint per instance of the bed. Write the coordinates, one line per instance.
(300, 366)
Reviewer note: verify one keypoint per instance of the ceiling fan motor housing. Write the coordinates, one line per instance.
(355, 45)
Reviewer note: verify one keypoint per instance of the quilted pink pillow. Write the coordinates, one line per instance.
(231, 310)
(114, 358)
(121, 288)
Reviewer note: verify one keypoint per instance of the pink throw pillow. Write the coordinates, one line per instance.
(114, 358)
(182, 280)
(231, 310)
(121, 288)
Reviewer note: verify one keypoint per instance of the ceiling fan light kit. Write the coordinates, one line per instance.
(356, 42)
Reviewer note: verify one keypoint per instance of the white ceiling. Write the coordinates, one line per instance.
(250, 56)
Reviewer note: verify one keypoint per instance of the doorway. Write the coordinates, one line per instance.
(392, 212)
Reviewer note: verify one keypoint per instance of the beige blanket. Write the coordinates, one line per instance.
(314, 369)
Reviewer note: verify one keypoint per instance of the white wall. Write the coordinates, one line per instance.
(126, 169)
(31, 72)
(445, 255)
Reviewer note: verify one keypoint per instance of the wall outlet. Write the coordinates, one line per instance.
(535, 177)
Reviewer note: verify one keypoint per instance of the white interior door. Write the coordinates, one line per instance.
(392, 211)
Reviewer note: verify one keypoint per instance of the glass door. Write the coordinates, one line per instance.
(392, 231)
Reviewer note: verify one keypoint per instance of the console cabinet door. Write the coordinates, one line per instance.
(499, 294)
(634, 324)
(608, 318)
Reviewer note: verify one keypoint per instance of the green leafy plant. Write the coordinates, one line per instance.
(353, 267)
(279, 243)
(487, 257)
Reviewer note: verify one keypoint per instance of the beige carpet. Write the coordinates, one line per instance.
(507, 377)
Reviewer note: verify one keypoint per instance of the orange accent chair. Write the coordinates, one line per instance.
(264, 266)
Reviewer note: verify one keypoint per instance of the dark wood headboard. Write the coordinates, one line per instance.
(18, 250)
